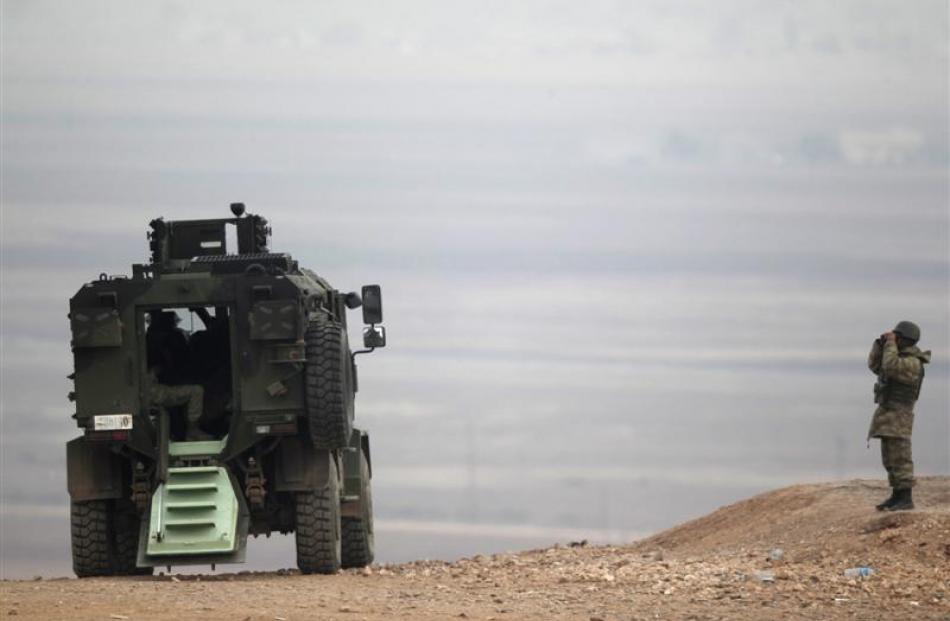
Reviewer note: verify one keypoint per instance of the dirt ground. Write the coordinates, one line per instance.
(716, 567)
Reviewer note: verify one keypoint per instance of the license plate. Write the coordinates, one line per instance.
(112, 422)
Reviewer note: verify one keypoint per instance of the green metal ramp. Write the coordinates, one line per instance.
(194, 513)
(197, 448)
(198, 515)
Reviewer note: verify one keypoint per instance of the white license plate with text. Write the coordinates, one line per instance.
(112, 422)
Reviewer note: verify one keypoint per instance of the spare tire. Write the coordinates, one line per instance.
(329, 384)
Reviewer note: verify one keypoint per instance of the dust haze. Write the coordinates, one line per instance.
(633, 255)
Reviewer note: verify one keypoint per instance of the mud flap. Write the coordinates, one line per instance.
(300, 467)
(93, 471)
(352, 503)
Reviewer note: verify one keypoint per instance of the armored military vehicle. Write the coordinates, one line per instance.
(214, 388)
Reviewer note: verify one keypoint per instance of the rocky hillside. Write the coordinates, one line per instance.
(781, 555)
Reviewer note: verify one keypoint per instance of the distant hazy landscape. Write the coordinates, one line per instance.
(623, 285)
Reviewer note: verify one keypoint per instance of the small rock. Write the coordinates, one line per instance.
(765, 576)
(118, 616)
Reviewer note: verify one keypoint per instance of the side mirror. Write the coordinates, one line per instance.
(372, 305)
(374, 336)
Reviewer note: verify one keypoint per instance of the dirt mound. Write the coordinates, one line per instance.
(722, 566)
(826, 520)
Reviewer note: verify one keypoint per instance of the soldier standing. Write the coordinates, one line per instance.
(899, 366)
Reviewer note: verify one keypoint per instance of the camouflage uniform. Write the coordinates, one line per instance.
(189, 395)
(900, 373)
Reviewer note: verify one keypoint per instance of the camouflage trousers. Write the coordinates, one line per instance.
(898, 461)
(189, 395)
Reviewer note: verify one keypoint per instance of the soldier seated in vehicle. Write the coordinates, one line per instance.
(210, 347)
(211, 356)
(167, 346)
(189, 395)
(168, 357)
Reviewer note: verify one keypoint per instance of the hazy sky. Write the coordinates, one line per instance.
(633, 253)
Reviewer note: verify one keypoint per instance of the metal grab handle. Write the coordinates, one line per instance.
(164, 438)
(159, 527)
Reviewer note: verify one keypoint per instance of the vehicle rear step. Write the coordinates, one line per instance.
(195, 512)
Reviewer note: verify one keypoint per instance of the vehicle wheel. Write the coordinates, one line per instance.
(359, 546)
(127, 524)
(91, 545)
(329, 384)
(318, 527)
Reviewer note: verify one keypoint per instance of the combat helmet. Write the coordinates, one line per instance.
(909, 330)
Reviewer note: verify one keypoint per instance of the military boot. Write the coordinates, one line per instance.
(887, 503)
(903, 502)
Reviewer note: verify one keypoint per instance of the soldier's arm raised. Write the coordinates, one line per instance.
(874, 358)
(904, 369)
